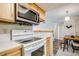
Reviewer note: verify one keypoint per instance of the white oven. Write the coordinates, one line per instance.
(32, 46)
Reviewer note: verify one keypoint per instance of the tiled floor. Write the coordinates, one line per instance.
(59, 52)
(67, 53)
(55, 46)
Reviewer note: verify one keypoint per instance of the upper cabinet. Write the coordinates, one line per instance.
(33, 7)
(36, 8)
(41, 14)
(7, 12)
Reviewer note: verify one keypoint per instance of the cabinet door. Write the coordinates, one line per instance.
(7, 12)
(41, 14)
(14, 53)
(33, 6)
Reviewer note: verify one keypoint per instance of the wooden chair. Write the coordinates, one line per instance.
(75, 45)
(64, 43)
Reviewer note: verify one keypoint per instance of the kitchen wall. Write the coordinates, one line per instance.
(57, 15)
(48, 24)
(74, 21)
(61, 31)
(44, 25)
(5, 29)
(56, 31)
(14, 26)
(77, 26)
(69, 31)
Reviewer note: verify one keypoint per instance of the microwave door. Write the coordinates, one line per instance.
(25, 15)
(22, 9)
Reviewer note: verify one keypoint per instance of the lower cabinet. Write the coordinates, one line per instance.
(12, 52)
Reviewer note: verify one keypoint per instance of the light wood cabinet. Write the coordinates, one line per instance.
(33, 6)
(12, 52)
(7, 12)
(48, 47)
(41, 14)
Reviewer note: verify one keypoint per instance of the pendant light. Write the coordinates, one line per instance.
(67, 18)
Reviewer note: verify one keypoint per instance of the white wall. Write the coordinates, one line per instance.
(56, 27)
(72, 31)
(48, 24)
(44, 25)
(77, 26)
(14, 26)
(61, 31)
(5, 29)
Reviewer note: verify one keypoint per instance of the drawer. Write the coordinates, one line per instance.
(14, 53)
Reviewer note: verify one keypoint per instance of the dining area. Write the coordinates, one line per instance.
(70, 42)
(68, 38)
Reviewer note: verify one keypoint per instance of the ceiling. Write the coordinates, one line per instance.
(50, 6)
(56, 12)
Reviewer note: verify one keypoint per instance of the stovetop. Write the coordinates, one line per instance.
(28, 40)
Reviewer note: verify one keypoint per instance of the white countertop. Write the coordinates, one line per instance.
(6, 43)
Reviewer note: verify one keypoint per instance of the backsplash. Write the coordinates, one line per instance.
(5, 30)
(14, 26)
(4, 37)
(4, 34)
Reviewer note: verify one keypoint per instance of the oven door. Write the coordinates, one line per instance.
(38, 52)
(32, 48)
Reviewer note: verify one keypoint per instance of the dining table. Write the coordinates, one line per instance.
(67, 40)
(71, 38)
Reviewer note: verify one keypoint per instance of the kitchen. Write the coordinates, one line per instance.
(38, 29)
(17, 37)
